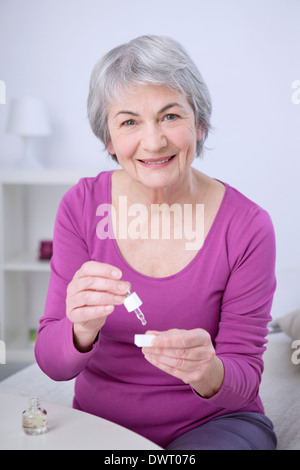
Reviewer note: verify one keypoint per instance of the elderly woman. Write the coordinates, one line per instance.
(206, 302)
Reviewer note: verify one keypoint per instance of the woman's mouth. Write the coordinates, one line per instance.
(157, 162)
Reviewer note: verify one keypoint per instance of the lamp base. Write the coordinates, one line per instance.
(29, 158)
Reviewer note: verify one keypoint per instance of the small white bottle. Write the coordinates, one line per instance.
(34, 419)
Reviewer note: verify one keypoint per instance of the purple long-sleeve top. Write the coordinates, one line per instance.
(227, 289)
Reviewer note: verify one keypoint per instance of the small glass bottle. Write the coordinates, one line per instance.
(34, 419)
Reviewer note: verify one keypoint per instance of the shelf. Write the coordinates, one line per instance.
(29, 200)
(19, 349)
(26, 262)
(42, 177)
(22, 353)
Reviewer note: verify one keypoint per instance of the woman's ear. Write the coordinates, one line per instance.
(200, 132)
(110, 148)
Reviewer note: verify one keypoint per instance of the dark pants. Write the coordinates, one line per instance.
(236, 431)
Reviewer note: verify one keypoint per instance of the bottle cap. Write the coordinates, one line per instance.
(143, 340)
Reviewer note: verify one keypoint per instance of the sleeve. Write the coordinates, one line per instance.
(245, 310)
(54, 350)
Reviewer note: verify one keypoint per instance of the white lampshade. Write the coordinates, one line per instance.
(28, 118)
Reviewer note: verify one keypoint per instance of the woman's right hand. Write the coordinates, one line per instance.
(91, 296)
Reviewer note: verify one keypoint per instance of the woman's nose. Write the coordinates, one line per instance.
(153, 139)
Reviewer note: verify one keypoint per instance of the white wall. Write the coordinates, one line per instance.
(248, 52)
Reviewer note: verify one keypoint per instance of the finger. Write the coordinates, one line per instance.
(181, 371)
(189, 354)
(183, 375)
(94, 268)
(98, 284)
(93, 298)
(180, 339)
(168, 362)
(88, 313)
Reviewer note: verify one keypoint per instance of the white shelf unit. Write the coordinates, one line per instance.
(28, 204)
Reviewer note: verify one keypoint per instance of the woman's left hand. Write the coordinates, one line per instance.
(188, 355)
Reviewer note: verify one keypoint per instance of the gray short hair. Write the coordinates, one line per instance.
(155, 60)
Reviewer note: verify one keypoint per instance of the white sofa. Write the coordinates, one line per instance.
(279, 389)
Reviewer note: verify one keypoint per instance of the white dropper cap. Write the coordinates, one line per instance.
(132, 303)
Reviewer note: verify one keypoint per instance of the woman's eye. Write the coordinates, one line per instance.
(128, 123)
(170, 117)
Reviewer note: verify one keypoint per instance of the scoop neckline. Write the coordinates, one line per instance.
(191, 263)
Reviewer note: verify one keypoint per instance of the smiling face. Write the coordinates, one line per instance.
(153, 133)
